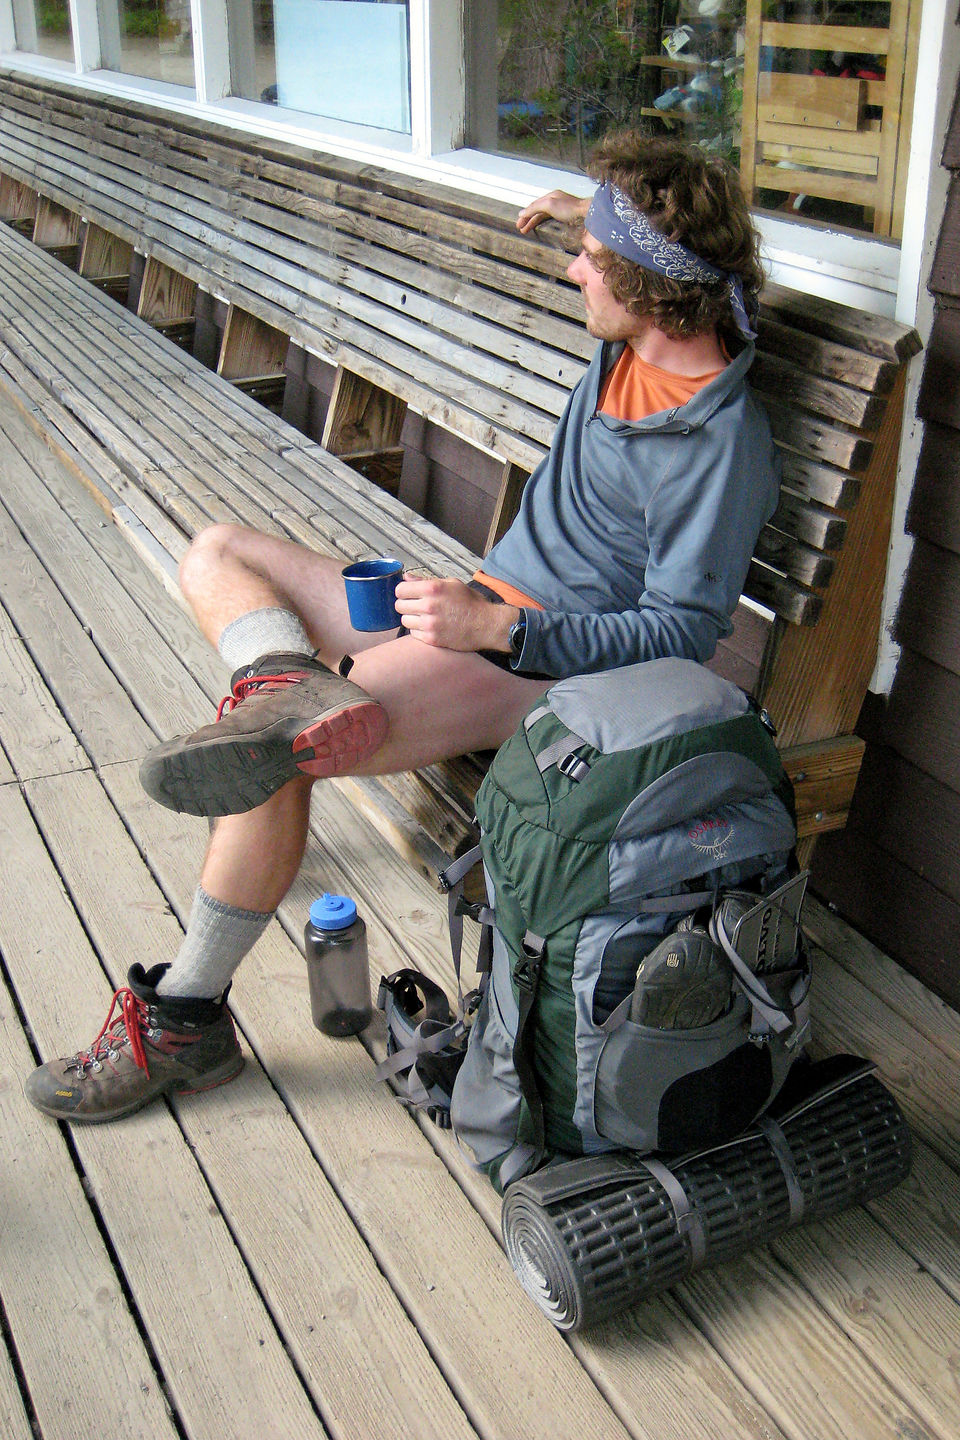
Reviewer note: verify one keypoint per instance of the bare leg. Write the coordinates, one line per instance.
(253, 859)
(440, 703)
(229, 571)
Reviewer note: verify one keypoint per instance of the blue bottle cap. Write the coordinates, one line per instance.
(333, 912)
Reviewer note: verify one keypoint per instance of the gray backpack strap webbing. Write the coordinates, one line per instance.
(537, 713)
(768, 1014)
(526, 975)
(451, 880)
(403, 996)
(689, 1222)
(781, 1148)
(684, 900)
(562, 752)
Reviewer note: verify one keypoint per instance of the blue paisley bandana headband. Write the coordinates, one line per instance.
(619, 225)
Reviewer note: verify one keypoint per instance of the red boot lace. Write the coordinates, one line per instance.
(128, 1025)
(243, 688)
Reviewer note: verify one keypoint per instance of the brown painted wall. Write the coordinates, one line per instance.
(895, 871)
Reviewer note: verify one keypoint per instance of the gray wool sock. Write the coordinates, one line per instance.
(263, 632)
(218, 937)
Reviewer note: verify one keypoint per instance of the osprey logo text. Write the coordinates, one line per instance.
(711, 835)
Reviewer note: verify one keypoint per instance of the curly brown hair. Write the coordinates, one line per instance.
(695, 199)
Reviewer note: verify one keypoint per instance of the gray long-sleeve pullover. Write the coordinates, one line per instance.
(635, 537)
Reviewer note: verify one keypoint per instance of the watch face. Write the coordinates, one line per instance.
(518, 633)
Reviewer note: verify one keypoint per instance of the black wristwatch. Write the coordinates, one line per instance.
(518, 634)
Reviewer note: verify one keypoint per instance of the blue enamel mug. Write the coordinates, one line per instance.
(371, 586)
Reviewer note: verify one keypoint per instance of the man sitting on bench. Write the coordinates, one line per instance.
(632, 542)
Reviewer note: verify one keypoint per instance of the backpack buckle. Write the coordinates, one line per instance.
(573, 766)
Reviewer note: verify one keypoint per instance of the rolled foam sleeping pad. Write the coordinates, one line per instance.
(590, 1237)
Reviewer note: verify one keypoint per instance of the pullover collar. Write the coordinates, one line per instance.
(681, 418)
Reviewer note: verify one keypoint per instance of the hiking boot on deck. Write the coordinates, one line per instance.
(287, 715)
(155, 1045)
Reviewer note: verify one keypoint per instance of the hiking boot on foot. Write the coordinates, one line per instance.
(286, 715)
(154, 1045)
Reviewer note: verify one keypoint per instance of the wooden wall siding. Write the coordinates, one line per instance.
(934, 511)
(922, 714)
(940, 391)
(895, 870)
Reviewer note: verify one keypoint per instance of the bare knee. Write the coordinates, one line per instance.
(209, 553)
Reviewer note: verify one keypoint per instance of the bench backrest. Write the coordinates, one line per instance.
(435, 299)
(439, 301)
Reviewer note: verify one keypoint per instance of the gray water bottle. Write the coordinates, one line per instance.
(335, 943)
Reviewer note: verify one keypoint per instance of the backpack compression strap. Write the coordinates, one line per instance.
(526, 974)
(792, 1024)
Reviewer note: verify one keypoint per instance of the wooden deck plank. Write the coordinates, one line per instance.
(416, 917)
(815, 1383)
(922, 1010)
(922, 1214)
(14, 1420)
(333, 1307)
(897, 1315)
(448, 1271)
(636, 1381)
(709, 1302)
(7, 772)
(86, 690)
(221, 1359)
(873, 1335)
(470, 1297)
(32, 730)
(335, 824)
(848, 1016)
(179, 632)
(78, 1386)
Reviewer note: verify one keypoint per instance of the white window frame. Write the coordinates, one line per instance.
(874, 274)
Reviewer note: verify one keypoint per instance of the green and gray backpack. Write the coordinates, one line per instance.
(647, 983)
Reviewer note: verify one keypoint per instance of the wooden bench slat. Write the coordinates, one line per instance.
(787, 382)
(178, 464)
(302, 241)
(343, 309)
(821, 483)
(816, 439)
(874, 334)
(826, 357)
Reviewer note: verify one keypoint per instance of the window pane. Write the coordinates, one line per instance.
(148, 37)
(346, 59)
(794, 92)
(42, 27)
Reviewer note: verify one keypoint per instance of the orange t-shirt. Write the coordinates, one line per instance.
(632, 390)
(635, 389)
